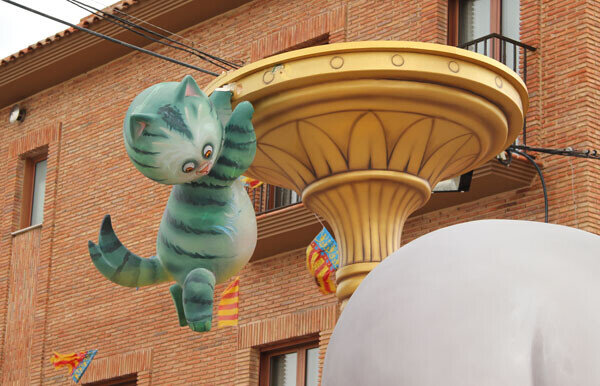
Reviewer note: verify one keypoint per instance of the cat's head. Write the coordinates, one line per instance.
(172, 132)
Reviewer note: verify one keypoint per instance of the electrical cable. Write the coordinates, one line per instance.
(223, 61)
(573, 192)
(569, 152)
(194, 51)
(530, 159)
(241, 63)
(111, 39)
(108, 17)
(83, 6)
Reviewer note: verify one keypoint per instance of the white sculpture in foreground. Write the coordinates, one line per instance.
(491, 302)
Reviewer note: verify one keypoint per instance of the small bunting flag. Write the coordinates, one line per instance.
(227, 312)
(322, 260)
(76, 363)
(250, 183)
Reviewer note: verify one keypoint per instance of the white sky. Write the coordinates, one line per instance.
(20, 28)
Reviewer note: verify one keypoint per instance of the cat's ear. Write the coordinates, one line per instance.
(188, 87)
(221, 100)
(138, 123)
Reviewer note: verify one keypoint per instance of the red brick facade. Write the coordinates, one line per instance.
(53, 299)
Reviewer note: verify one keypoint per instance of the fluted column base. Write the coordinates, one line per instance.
(367, 210)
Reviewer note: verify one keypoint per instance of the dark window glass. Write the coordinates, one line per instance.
(478, 18)
(39, 189)
(291, 365)
(473, 19)
(511, 28)
(283, 370)
(312, 366)
(34, 189)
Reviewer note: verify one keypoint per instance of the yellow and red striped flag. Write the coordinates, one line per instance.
(322, 260)
(227, 312)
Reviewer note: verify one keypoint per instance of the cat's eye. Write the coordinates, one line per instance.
(208, 150)
(189, 166)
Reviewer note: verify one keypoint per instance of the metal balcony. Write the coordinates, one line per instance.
(267, 198)
(509, 52)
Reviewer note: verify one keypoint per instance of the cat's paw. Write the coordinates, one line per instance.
(200, 325)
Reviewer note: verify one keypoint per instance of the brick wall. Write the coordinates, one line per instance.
(136, 330)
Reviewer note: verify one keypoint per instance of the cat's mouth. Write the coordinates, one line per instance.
(204, 169)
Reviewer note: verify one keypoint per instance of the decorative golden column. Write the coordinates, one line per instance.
(364, 130)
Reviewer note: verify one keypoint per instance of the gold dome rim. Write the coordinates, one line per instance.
(426, 63)
(373, 46)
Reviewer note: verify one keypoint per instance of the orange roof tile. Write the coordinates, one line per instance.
(85, 22)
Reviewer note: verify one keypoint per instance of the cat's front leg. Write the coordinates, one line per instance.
(198, 293)
(239, 146)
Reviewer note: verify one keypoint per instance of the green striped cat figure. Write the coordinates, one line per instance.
(175, 135)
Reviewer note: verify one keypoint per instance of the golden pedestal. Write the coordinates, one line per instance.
(364, 130)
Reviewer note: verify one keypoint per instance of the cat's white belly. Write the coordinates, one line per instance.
(245, 225)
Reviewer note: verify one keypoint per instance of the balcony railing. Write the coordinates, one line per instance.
(511, 53)
(267, 198)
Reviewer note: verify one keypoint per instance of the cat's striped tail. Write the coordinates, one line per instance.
(120, 266)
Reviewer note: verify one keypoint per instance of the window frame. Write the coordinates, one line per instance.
(127, 379)
(28, 189)
(453, 19)
(299, 346)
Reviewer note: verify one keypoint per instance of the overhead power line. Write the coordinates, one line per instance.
(133, 27)
(102, 36)
(170, 33)
(569, 152)
(512, 149)
(102, 14)
(193, 43)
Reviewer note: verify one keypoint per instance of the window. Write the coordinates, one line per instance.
(125, 380)
(283, 197)
(296, 365)
(34, 187)
(469, 20)
(267, 198)
(472, 19)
